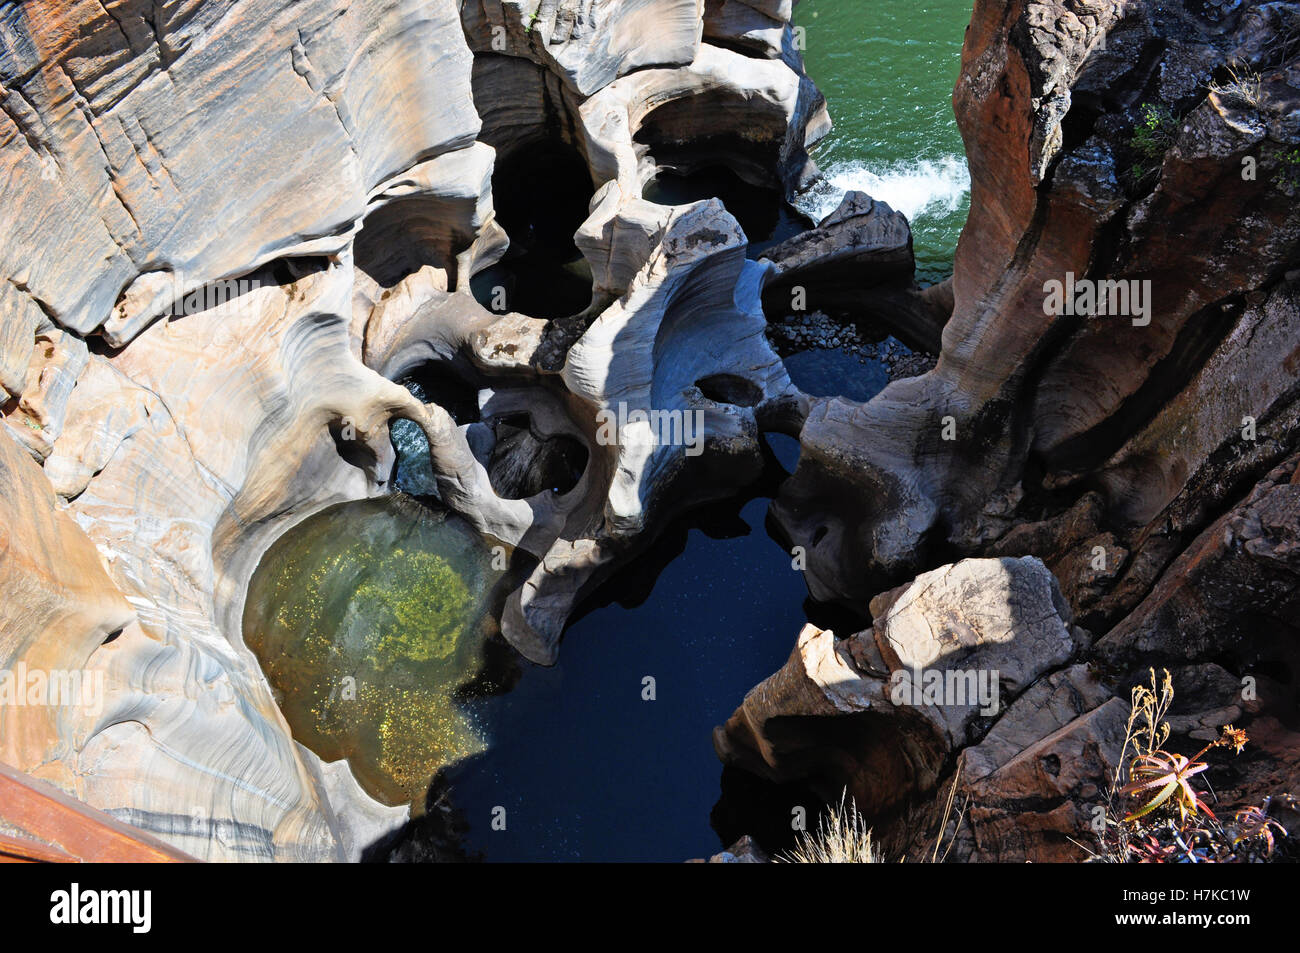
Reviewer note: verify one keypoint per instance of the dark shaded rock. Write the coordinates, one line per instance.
(881, 712)
(858, 263)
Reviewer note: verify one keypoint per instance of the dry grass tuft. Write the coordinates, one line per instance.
(842, 837)
(1243, 86)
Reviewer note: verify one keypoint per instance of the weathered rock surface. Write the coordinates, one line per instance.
(587, 43)
(1223, 620)
(882, 712)
(179, 469)
(231, 227)
(858, 263)
(1036, 780)
(1235, 590)
(755, 116)
(178, 448)
(1111, 144)
(109, 120)
(1028, 412)
(860, 233)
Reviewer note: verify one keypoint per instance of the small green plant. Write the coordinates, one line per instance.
(532, 20)
(1287, 177)
(1153, 134)
(1167, 777)
(1169, 821)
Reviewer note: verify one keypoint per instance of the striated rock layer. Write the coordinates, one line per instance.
(1124, 430)
(230, 227)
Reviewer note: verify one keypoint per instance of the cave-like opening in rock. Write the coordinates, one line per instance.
(433, 382)
(749, 805)
(405, 235)
(730, 389)
(442, 383)
(721, 145)
(762, 211)
(716, 128)
(541, 195)
(522, 464)
(413, 468)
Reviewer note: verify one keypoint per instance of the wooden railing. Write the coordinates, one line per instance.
(40, 823)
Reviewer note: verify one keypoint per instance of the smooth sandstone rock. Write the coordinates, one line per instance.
(110, 122)
(223, 369)
(587, 43)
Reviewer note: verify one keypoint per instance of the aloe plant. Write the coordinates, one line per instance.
(1172, 773)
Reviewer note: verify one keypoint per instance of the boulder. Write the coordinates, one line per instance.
(883, 712)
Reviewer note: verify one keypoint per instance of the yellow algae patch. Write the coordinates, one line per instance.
(367, 618)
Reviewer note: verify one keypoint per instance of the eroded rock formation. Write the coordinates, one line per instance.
(1148, 146)
(858, 262)
(233, 226)
(1048, 407)
(875, 712)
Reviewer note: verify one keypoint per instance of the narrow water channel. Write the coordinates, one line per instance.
(591, 761)
(887, 69)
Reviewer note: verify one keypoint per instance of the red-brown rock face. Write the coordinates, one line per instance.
(1196, 221)
(1140, 155)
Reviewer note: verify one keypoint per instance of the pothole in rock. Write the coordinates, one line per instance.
(521, 464)
(829, 358)
(432, 383)
(367, 619)
(730, 389)
(541, 195)
(764, 214)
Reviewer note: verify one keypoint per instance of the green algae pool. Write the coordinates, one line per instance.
(367, 619)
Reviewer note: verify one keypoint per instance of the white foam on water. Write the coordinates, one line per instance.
(917, 188)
